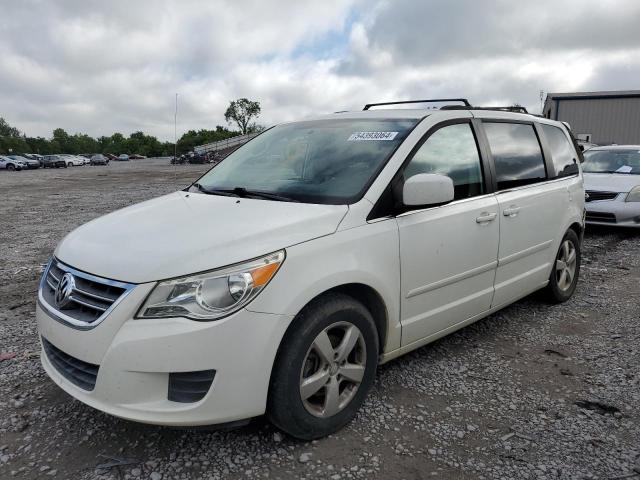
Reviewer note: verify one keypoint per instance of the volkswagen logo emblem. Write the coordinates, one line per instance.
(64, 290)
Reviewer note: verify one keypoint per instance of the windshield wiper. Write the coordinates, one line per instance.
(224, 193)
(245, 193)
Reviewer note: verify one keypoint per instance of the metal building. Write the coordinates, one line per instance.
(599, 117)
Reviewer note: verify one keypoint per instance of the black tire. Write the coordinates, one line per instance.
(553, 292)
(10, 167)
(285, 407)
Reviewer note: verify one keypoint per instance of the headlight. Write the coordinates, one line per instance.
(634, 194)
(212, 295)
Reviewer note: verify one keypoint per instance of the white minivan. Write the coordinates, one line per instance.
(286, 274)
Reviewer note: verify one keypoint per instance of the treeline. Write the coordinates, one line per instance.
(12, 140)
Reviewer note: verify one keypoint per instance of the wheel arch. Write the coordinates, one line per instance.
(372, 301)
(363, 293)
(578, 228)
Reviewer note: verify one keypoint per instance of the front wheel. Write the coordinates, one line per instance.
(324, 369)
(10, 167)
(566, 269)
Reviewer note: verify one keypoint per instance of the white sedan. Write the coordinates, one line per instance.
(72, 160)
(612, 185)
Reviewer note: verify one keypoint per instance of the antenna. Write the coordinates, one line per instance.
(175, 143)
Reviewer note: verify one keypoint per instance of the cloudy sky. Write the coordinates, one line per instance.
(115, 65)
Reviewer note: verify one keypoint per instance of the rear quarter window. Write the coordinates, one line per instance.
(563, 155)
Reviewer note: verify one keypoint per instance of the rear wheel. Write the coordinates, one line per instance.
(566, 269)
(324, 369)
(69, 164)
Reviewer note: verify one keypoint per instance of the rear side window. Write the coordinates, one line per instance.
(516, 153)
(451, 151)
(562, 152)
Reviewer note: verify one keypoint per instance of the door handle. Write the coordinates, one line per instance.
(486, 217)
(512, 211)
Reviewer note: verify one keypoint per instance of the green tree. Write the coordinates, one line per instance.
(193, 138)
(7, 130)
(62, 139)
(13, 141)
(242, 111)
(39, 145)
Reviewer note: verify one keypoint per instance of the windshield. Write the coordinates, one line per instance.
(612, 161)
(322, 161)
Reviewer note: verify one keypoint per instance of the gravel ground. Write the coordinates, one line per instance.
(534, 391)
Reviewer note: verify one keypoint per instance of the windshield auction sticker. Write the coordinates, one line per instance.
(379, 136)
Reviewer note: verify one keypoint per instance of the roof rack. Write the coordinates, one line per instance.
(464, 101)
(499, 109)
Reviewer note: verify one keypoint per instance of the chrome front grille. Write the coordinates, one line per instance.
(594, 196)
(89, 298)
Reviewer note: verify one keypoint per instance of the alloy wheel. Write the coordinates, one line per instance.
(333, 369)
(566, 265)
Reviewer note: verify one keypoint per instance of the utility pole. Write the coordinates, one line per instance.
(175, 129)
(541, 101)
(175, 143)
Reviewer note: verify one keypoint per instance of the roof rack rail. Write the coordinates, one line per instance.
(464, 101)
(499, 109)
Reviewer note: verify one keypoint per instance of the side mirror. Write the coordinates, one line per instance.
(427, 189)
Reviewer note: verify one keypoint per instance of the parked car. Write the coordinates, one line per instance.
(9, 163)
(34, 156)
(99, 159)
(72, 160)
(27, 162)
(612, 184)
(585, 145)
(123, 157)
(282, 278)
(135, 156)
(199, 158)
(54, 161)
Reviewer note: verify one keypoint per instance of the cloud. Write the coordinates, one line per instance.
(495, 53)
(99, 68)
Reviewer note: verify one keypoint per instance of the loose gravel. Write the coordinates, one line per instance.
(534, 391)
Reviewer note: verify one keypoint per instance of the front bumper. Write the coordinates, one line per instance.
(614, 212)
(134, 364)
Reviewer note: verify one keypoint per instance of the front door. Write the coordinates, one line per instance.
(448, 254)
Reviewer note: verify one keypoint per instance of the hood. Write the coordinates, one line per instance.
(183, 233)
(610, 182)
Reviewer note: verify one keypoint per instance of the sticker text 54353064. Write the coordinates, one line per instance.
(379, 136)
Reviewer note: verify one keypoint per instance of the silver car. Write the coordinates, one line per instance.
(99, 159)
(612, 185)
